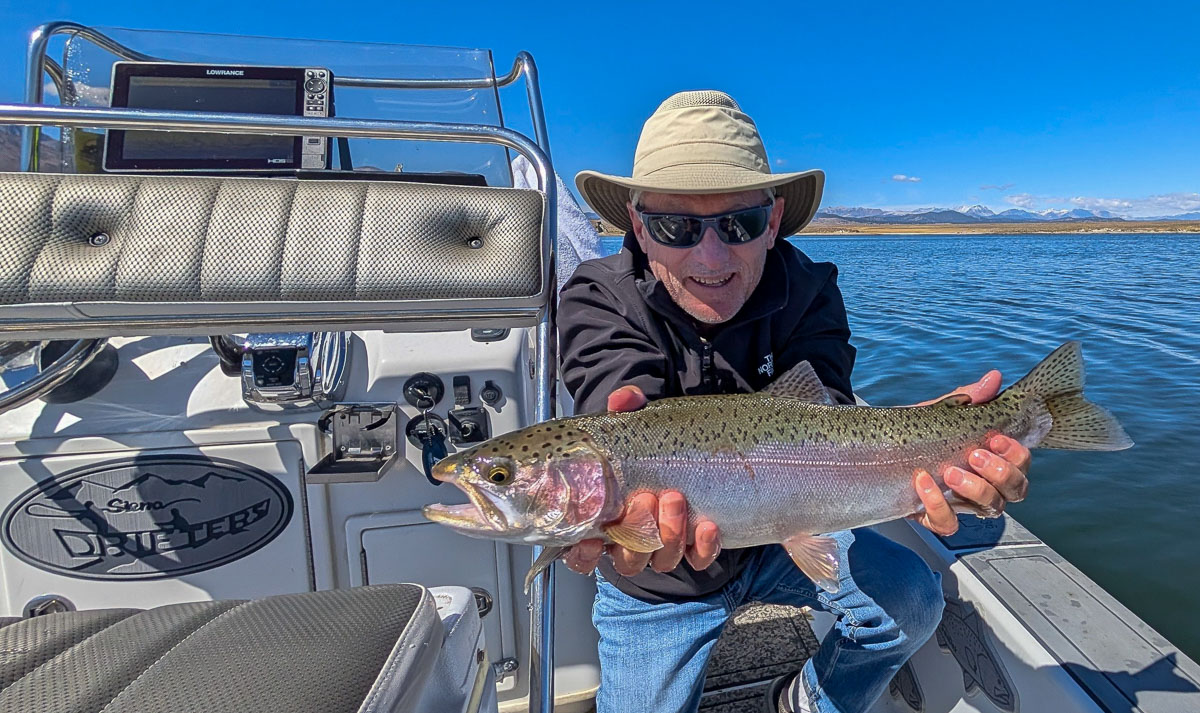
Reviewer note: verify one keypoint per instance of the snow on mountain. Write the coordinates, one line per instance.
(975, 211)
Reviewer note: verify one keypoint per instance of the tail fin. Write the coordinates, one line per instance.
(1076, 423)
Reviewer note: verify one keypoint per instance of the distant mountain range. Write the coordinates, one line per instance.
(977, 214)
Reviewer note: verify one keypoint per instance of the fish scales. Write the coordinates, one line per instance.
(752, 462)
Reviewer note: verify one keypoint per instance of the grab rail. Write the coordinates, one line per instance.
(37, 65)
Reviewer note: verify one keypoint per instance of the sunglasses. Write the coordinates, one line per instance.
(685, 231)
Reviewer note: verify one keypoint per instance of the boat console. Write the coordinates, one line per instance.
(229, 368)
(251, 291)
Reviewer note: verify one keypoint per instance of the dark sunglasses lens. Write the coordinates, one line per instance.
(675, 231)
(746, 226)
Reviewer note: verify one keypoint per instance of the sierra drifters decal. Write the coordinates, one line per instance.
(149, 517)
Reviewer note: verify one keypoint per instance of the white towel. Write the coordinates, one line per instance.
(577, 239)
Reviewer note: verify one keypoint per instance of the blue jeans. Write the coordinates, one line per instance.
(653, 656)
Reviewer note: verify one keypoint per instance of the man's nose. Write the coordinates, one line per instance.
(710, 251)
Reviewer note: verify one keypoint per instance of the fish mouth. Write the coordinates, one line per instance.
(481, 514)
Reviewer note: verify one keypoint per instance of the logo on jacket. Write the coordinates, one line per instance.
(146, 518)
(768, 365)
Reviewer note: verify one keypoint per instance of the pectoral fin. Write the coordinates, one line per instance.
(817, 558)
(544, 560)
(636, 531)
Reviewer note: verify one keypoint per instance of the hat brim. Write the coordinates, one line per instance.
(607, 195)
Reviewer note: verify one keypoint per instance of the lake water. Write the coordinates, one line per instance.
(929, 313)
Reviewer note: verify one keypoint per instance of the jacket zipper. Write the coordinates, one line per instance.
(706, 364)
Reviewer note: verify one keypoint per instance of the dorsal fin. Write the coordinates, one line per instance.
(801, 382)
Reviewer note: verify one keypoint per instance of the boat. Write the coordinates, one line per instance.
(225, 385)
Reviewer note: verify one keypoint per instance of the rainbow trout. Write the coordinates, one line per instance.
(783, 465)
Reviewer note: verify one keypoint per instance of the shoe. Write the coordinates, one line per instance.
(775, 700)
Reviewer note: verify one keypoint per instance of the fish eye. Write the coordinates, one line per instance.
(500, 475)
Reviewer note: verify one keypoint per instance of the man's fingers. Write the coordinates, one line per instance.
(584, 556)
(1011, 451)
(626, 398)
(1002, 475)
(628, 562)
(970, 486)
(672, 528)
(938, 517)
(982, 391)
(706, 547)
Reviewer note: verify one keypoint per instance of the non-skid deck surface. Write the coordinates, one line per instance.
(760, 642)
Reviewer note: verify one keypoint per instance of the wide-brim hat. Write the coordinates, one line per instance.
(702, 142)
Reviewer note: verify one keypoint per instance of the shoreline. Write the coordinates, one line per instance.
(832, 228)
(1074, 227)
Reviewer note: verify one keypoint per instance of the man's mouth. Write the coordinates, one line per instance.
(711, 281)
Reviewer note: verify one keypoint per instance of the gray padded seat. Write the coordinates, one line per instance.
(365, 649)
(91, 252)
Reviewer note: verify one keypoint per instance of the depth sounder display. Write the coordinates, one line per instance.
(289, 91)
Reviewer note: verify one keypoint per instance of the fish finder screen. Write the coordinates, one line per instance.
(248, 96)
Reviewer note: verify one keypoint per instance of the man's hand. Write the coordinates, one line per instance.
(670, 510)
(998, 476)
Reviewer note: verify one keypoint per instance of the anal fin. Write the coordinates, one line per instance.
(817, 558)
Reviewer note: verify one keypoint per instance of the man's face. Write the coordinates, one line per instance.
(710, 280)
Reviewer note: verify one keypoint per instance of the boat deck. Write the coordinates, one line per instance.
(762, 641)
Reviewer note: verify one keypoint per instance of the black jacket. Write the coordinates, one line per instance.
(618, 325)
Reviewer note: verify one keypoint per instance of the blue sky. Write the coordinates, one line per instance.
(1038, 105)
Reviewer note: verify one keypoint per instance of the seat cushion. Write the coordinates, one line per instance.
(99, 252)
(326, 652)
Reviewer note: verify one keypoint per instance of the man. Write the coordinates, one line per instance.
(706, 297)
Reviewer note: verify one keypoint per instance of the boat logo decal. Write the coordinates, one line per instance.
(963, 634)
(149, 517)
(904, 686)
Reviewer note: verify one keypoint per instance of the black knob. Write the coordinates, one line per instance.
(424, 390)
(491, 394)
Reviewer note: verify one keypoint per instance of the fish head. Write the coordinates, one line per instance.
(547, 484)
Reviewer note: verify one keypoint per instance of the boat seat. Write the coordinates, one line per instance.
(367, 649)
(129, 255)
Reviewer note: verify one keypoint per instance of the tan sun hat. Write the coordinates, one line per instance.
(702, 142)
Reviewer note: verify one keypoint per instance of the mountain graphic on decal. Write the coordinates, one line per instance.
(199, 482)
(68, 492)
